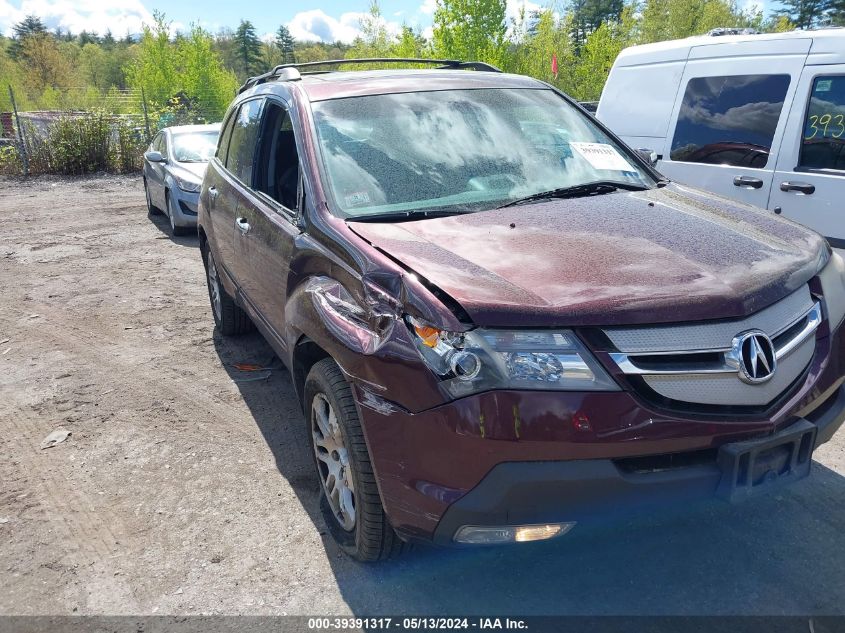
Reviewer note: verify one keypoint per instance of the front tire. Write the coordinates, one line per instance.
(177, 231)
(151, 208)
(229, 318)
(350, 499)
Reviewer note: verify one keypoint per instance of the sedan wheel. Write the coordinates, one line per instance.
(171, 212)
(151, 209)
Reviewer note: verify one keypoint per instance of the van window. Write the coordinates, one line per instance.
(823, 146)
(729, 120)
(241, 156)
(278, 172)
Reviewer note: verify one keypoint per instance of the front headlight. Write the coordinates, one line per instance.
(187, 185)
(482, 360)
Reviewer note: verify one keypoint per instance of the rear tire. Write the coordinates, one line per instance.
(333, 424)
(151, 208)
(229, 318)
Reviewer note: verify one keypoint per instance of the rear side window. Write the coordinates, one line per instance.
(241, 155)
(223, 141)
(823, 146)
(729, 120)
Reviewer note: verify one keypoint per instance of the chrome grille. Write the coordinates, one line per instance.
(702, 363)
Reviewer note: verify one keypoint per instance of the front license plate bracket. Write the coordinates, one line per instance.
(759, 465)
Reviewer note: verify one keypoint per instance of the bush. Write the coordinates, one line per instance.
(79, 143)
(10, 160)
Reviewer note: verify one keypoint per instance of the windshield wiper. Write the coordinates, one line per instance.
(400, 216)
(595, 188)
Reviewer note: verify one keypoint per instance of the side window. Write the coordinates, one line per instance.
(223, 141)
(154, 142)
(823, 146)
(729, 120)
(241, 155)
(163, 144)
(278, 175)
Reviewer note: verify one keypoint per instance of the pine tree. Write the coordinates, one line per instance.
(248, 47)
(30, 26)
(588, 15)
(805, 14)
(837, 12)
(285, 44)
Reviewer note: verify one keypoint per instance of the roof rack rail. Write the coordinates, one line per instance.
(290, 72)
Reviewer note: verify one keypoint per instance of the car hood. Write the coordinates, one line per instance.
(662, 255)
(193, 171)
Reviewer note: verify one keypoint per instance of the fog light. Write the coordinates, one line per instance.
(492, 535)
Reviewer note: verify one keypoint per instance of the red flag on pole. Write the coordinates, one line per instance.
(554, 64)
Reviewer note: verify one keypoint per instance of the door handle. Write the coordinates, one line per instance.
(801, 187)
(243, 225)
(748, 182)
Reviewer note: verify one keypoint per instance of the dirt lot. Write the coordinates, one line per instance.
(184, 490)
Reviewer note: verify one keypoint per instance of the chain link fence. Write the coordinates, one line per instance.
(85, 130)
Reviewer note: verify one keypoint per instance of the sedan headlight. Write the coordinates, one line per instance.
(482, 360)
(187, 185)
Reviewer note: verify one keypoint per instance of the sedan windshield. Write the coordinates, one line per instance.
(460, 150)
(194, 147)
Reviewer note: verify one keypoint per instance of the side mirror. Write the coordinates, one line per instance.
(648, 155)
(154, 157)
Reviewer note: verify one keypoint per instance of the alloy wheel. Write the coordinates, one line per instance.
(214, 288)
(333, 461)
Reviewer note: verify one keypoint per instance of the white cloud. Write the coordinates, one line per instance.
(515, 6)
(119, 16)
(317, 26)
(428, 7)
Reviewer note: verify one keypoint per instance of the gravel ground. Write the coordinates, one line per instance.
(184, 490)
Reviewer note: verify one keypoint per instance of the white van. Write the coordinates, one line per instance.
(758, 118)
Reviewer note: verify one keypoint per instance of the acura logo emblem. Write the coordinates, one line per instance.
(756, 355)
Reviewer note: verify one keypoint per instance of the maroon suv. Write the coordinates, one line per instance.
(499, 319)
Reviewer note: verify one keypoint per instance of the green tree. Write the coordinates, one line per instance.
(587, 15)
(409, 44)
(247, 47)
(30, 26)
(598, 53)
(837, 12)
(374, 40)
(471, 30)
(201, 74)
(155, 66)
(285, 43)
(47, 66)
(804, 14)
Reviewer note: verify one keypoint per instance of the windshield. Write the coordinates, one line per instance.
(460, 149)
(194, 147)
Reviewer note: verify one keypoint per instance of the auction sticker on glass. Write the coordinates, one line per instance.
(602, 156)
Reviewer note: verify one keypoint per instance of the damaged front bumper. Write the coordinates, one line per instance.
(530, 457)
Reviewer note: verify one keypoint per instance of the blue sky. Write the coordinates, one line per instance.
(325, 20)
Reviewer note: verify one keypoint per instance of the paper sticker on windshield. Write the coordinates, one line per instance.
(602, 156)
(357, 199)
(823, 85)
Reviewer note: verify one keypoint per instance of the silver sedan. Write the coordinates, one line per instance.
(174, 165)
